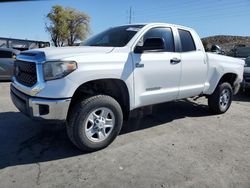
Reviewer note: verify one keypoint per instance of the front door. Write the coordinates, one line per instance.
(157, 73)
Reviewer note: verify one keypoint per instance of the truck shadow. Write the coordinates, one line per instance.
(165, 113)
(23, 141)
(242, 96)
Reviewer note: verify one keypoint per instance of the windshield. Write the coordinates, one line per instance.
(114, 37)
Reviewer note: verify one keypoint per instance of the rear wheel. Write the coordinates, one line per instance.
(95, 122)
(220, 101)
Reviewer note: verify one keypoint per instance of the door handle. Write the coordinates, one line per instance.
(175, 61)
(139, 65)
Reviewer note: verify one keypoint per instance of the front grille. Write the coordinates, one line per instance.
(25, 73)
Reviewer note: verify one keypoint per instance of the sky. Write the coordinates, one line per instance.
(26, 20)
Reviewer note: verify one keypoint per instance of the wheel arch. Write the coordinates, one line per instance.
(227, 77)
(113, 87)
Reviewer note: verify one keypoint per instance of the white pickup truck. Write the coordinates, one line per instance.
(94, 87)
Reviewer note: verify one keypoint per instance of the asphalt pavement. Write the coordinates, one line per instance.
(179, 145)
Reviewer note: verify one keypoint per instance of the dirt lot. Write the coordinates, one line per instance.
(179, 145)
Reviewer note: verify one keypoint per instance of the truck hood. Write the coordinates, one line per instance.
(64, 52)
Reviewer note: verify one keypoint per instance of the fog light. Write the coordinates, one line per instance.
(43, 109)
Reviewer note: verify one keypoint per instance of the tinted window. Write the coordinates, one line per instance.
(187, 42)
(5, 54)
(114, 37)
(165, 33)
(243, 52)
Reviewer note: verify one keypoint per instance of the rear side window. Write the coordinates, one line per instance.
(187, 42)
(5, 54)
(161, 32)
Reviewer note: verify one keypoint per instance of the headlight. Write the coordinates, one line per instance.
(58, 69)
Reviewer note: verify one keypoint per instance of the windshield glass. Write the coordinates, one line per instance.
(114, 37)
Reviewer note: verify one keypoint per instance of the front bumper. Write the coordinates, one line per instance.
(40, 108)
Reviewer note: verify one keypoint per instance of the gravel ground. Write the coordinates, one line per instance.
(179, 145)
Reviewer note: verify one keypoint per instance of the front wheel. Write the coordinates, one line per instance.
(220, 101)
(94, 122)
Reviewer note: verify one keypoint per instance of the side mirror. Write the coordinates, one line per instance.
(151, 44)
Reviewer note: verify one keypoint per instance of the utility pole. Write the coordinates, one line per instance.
(130, 15)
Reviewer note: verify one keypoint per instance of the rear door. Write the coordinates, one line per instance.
(194, 66)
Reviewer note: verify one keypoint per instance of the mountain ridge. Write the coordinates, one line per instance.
(226, 42)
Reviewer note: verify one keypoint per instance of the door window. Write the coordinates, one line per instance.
(187, 42)
(165, 33)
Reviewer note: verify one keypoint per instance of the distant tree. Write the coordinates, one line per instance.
(57, 26)
(66, 25)
(78, 25)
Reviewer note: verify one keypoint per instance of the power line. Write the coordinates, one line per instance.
(199, 14)
(191, 4)
(199, 11)
(196, 11)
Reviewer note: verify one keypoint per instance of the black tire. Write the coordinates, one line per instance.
(79, 115)
(214, 103)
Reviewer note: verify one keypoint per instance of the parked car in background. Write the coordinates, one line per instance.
(244, 53)
(7, 58)
(217, 49)
(246, 78)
